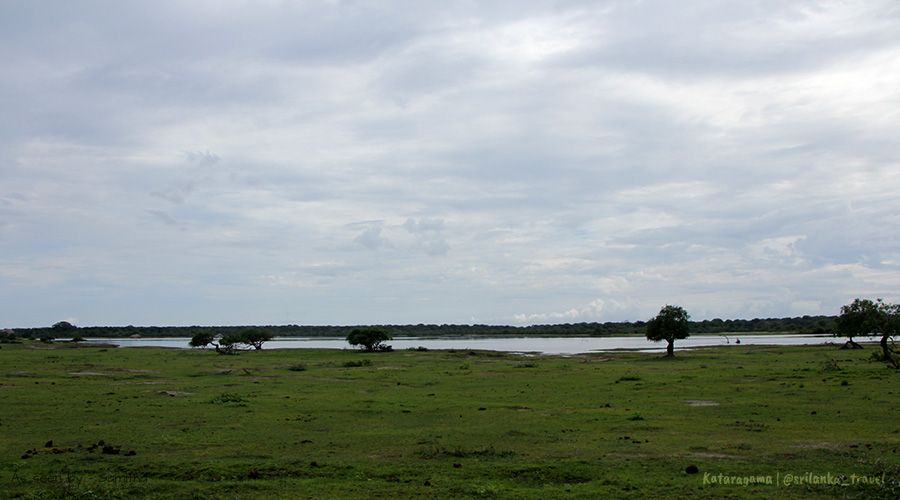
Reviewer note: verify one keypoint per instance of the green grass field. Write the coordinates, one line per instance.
(331, 424)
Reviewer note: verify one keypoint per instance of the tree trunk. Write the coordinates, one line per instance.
(888, 355)
(670, 349)
(851, 345)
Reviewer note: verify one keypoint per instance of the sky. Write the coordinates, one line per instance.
(402, 162)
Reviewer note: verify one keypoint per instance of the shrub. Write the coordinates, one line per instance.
(357, 364)
(227, 397)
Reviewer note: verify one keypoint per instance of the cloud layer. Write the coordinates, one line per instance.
(343, 162)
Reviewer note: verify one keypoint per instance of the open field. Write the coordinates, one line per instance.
(324, 424)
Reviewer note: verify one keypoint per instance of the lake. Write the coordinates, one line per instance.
(540, 345)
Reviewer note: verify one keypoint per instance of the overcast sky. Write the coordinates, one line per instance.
(352, 162)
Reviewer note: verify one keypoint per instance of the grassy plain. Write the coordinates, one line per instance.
(333, 424)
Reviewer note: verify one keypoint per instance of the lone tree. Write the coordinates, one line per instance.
(64, 329)
(371, 338)
(255, 337)
(671, 323)
(868, 317)
(858, 318)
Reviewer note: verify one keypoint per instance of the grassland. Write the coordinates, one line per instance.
(333, 424)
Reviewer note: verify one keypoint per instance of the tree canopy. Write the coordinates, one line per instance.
(64, 328)
(671, 323)
(864, 317)
(370, 338)
(230, 342)
(859, 318)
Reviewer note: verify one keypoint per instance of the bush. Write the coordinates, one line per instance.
(357, 364)
(227, 397)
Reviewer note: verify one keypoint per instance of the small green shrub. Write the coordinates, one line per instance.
(831, 366)
(357, 364)
(298, 367)
(226, 398)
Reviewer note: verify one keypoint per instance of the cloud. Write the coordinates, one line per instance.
(528, 162)
(371, 238)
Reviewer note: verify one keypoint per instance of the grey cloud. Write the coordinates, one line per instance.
(371, 238)
(203, 158)
(423, 225)
(163, 217)
(429, 233)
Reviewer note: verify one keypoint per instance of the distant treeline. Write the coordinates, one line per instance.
(804, 325)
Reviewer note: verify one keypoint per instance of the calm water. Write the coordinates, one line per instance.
(542, 345)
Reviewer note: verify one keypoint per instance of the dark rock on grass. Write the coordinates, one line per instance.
(457, 465)
(691, 469)
(253, 474)
(48, 444)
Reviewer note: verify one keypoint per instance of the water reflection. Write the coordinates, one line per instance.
(541, 345)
